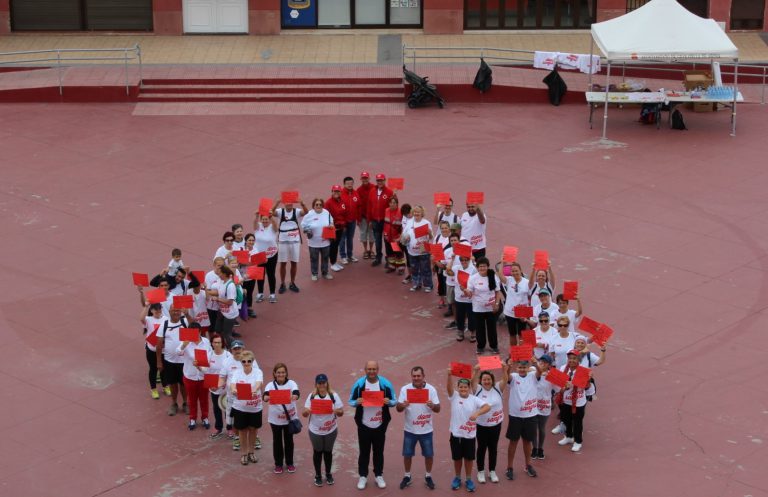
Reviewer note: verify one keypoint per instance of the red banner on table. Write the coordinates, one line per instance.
(265, 206)
(151, 338)
(521, 352)
(396, 183)
(437, 252)
(540, 259)
(201, 356)
(279, 397)
(200, 275)
(259, 258)
(244, 391)
(373, 398)
(461, 370)
(421, 231)
(529, 337)
(243, 256)
(442, 198)
(140, 279)
(489, 362)
(321, 406)
(475, 198)
(462, 250)
(156, 296)
(211, 381)
(189, 334)
(570, 289)
(183, 301)
(329, 233)
(509, 254)
(417, 395)
(463, 278)
(523, 311)
(557, 377)
(290, 197)
(255, 272)
(581, 377)
(395, 247)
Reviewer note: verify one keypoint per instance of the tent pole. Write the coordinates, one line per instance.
(735, 95)
(605, 107)
(591, 51)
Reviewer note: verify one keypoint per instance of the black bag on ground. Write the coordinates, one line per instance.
(677, 120)
(557, 87)
(483, 78)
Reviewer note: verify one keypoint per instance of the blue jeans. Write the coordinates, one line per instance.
(424, 440)
(345, 245)
(421, 272)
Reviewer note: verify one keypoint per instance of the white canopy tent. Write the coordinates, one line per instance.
(663, 30)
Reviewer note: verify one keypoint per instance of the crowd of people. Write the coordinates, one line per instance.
(190, 323)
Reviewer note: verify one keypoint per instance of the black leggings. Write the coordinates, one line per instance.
(464, 313)
(486, 328)
(541, 431)
(152, 361)
(333, 255)
(269, 271)
(440, 282)
(282, 445)
(217, 414)
(317, 459)
(487, 440)
(574, 422)
(515, 326)
(248, 287)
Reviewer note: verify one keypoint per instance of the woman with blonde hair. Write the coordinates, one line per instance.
(247, 412)
(322, 426)
(421, 272)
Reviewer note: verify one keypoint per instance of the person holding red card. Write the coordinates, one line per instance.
(450, 281)
(465, 410)
(226, 297)
(544, 334)
(265, 234)
(366, 228)
(280, 416)
(587, 358)
(226, 250)
(563, 310)
(484, 290)
(444, 212)
(151, 318)
(199, 312)
(319, 248)
(473, 228)
(418, 233)
(462, 271)
(352, 200)
(218, 359)
(338, 209)
(545, 392)
(488, 390)
(418, 426)
(247, 412)
(249, 285)
(543, 279)
(442, 238)
(517, 294)
(393, 230)
(378, 200)
(193, 379)
(574, 404)
(168, 361)
(323, 427)
(545, 305)
(562, 342)
(239, 232)
(212, 279)
(288, 241)
(522, 410)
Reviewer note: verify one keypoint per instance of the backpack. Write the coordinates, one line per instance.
(648, 114)
(182, 321)
(238, 292)
(677, 120)
(556, 87)
(483, 78)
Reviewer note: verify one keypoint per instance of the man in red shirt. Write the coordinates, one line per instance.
(338, 210)
(366, 233)
(352, 200)
(378, 201)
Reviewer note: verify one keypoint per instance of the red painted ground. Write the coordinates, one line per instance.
(667, 236)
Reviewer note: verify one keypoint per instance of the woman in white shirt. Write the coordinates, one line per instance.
(323, 427)
(488, 390)
(463, 303)
(562, 342)
(483, 289)
(226, 250)
(517, 294)
(218, 358)
(543, 280)
(443, 238)
(151, 319)
(265, 232)
(545, 391)
(247, 412)
(227, 295)
(193, 380)
(280, 415)
(574, 405)
(421, 272)
(319, 248)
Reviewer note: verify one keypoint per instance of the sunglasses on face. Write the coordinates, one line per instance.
(247, 361)
(562, 325)
(229, 240)
(543, 320)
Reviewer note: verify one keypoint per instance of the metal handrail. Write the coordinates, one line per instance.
(135, 54)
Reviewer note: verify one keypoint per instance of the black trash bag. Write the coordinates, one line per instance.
(557, 87)
(677, 120)
(483, 78)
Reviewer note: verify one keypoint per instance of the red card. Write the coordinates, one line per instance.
(602, 335)
(156, 296)
(183, 301)
(290, 197)
(475, 198)
(211, 381)
(529, 337)
(244, 391)
(259, 258)
(329, 233)
(461, 370)
(436, 250)
(396, 183)
(321, 406)
(521, 352)
(200, 275)
(201, 356)
(489, 362)
(373, 398)
(589, 325)
(523, 311)
(463, 278)
(152, 338)
(255, 272)
(510, 254)
(421, 231)
(243, 257)
(279, 397)
(140, 279)
(540, 259)
(581, 377)
(189, 334)
(265, 206)
(462, 250)
(570, 289)
(557, 377)
(442, 198)
(395, 247)
(417, 395)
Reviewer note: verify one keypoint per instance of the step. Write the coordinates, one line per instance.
(272, 81)
(275, 97)
(297, 89)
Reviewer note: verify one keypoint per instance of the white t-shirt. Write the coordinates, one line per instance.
(416, 245)
(459, 294)
(581, 394)
(473, 230)
(559, 348)
(461, 409)
(571, 318)
(223, 252)
(449, 280)
(586, 358)
(372, 416)
(188, 356)
(534, 289)
(517, 294)
(544, 396)
(315, 222)
(493, 398)
(171, 336)
(483, 299)
(211, 279)
(254, 404)
(323, 424)
(523, 395)
(288, 230)
(200, 309)
(551, 310)
(418, 417)
(238, 245)
(218, 366)
(406, 222)
(229, 368)
(544, 338)
(152, 325)
(265, 240)
(174, 266)
(181, 288)
(228, 291)
(276, 414)
(166, 305)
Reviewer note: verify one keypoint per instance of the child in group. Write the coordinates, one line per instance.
(175, 262)
(393, 229)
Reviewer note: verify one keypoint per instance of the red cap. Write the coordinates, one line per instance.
(365, 174)
(380, 176)
(335, 188)
(573, 352)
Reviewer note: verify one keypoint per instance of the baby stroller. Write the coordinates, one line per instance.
(422, 91)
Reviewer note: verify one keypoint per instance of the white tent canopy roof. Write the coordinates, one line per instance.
(662, 30)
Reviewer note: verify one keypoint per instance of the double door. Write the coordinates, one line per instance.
(215, 16)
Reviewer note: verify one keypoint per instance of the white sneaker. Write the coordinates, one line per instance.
(328, 276)
(352, 258)
(558, 429)
(337, 267)
(380, 482)
(494, 478)
(362, 482)
(314, 277)
(344, 260)
(565, 441)
(481, 477)
(576, 447)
